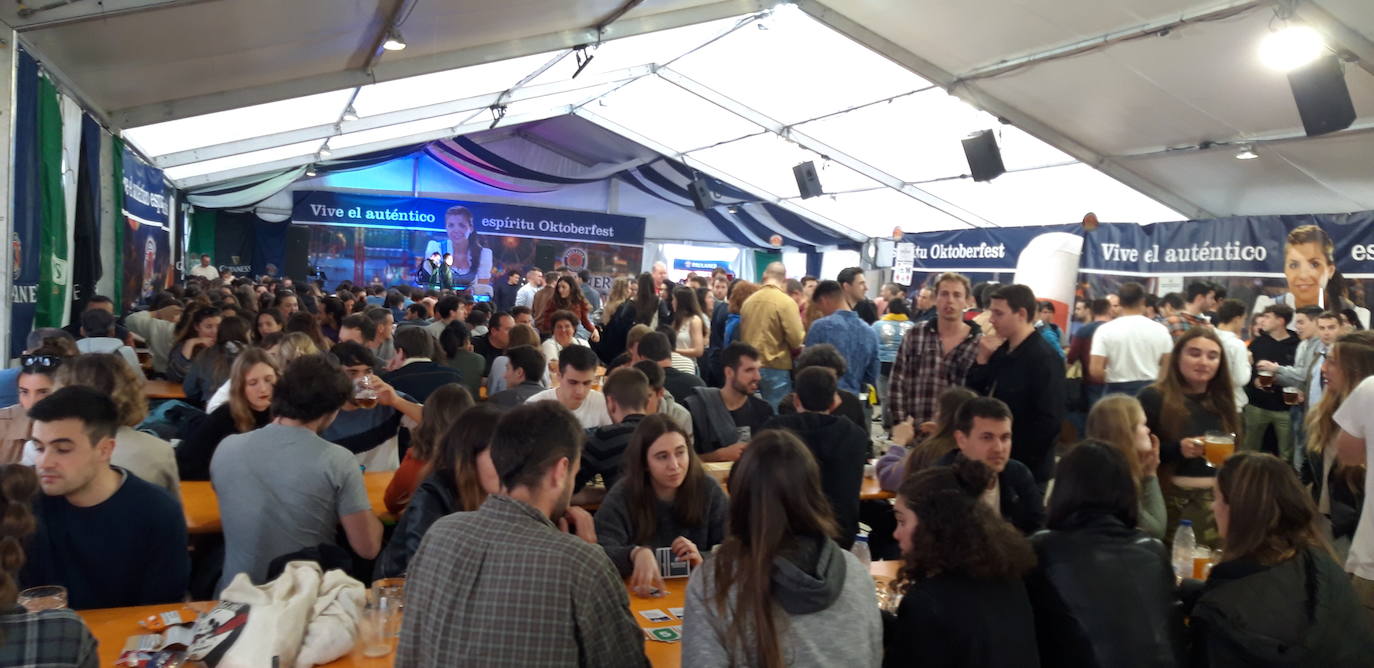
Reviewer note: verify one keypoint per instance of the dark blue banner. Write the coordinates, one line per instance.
(28, 212)
(506, 220)
(1240, 246)
(700, 265)
(145, 190)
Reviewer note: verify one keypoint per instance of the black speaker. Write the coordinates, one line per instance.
(702, 197)
(1322, 96)
(984, 158)
(808, 184)
(297, 254)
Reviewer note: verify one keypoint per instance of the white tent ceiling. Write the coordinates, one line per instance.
(1104, 104)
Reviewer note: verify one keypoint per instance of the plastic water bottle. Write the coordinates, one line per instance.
(1184, 543)
(860, 550)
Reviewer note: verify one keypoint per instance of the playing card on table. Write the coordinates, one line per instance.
(677, 612)
(665, 633)
(655, 615)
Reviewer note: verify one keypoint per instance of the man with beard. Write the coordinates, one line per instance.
(512, 569)
(724, 419)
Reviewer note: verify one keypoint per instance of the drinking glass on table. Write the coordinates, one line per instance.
(1217, 446)
(38, 599)
(365, 392)
(372, 627)
(390, 593)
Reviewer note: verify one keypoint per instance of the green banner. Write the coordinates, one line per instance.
(53, 276)
(202, 240)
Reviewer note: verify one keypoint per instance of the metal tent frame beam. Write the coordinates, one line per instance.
(1337, 33)
(969, 92)
(202, 180)
(330, 130)
(808, 142)
(742, 184)
(390, 70)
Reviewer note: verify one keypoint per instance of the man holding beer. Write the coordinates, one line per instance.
(372, 417)
(1266, 406)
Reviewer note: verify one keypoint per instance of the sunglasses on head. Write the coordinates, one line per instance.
(40, 361)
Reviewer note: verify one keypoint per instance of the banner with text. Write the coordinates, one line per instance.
(148, 239)
(367, 238)
(1296, 260)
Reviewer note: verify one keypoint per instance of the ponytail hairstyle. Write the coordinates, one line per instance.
(18, 484)
(776, 503)
(956, 533)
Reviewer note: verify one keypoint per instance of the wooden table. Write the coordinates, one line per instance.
(163, 389)
(870, 490)
(201, 506)
(113, 626)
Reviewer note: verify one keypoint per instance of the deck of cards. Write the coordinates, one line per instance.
(665, 633)
(669, 566)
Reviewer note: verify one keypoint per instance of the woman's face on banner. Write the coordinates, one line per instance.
(458, 227)
(1307, 270)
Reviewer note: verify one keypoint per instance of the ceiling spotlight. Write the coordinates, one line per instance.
(733, 209)
(1290, 47)
(350, 114)
(1246, 152)
(324, 152)
(310, 171)
(394, 40)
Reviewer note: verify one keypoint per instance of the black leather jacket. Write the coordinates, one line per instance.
(435, 497)
(1103, 595)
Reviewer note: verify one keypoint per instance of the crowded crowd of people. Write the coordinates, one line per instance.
(1039, 473)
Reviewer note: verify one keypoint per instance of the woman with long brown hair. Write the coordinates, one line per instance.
(1277, 597)
(1192, 398)
(196, 329)
(442, 408)
(779, 591)
(663, 499)
(962, 568)
(210, 368)
(55, 638)
(252, 381)
(568, 297)
(1338, 489)
(691, 329)
(462, 476)
(904, 459)
(1118, 420)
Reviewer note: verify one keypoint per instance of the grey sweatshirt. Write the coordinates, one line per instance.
(842, 625)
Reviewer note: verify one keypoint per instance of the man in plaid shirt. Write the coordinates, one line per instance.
(934, 354)
(1201, 299)
(504, 585)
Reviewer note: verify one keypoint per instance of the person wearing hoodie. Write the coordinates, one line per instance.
(963, 600)
(663, 499)
(779, 591)
(1091, 559)
(1277, 597)
(840, 447)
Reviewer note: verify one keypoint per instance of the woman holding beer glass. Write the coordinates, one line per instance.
(1337, 489)
(1192, 410)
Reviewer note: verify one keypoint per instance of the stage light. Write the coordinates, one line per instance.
(1290, 47)
(1246, 152)
(350, 114)
(394, 40)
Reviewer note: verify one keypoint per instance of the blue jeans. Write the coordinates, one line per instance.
(1131, 388)
(774, 384)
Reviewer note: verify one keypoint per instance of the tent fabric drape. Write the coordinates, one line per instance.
(250, 190)
(87, 269)
(121, 224)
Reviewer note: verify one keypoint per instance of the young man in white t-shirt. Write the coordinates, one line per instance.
(1127, 353)
(1355, 446)
(576, 370)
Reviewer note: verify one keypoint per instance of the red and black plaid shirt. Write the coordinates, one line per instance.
(922, 370)
(1182, 321)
